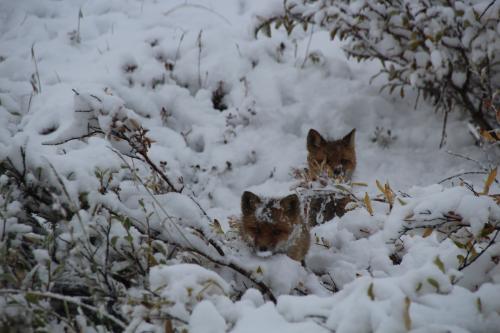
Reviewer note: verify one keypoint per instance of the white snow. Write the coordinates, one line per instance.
(156, 64)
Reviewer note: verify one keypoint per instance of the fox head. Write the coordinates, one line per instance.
(337, 158)
(269, 225)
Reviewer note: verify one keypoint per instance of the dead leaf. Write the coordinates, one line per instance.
(406, 314)
(491, 178)
(368, 204)
(427, 232)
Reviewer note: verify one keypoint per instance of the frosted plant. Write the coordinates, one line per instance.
(447, 50)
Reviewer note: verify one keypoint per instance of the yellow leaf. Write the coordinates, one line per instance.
(406, 314)
(259, 270)
(487, 135)
(427, 232)
(496, 197)
(379, 186)
(368, 204)
(389, 194)
(491, 177)
(167, 326)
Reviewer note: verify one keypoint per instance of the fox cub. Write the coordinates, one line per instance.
(337, 158)
(272, 225)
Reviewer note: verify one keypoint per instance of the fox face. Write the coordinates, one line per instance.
(274, 226)
(337, 158)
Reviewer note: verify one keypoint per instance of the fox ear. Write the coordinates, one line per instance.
(349, 138)
(314, 140)
(291, 204)
(249, 202)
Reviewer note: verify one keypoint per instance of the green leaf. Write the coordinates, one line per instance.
(7, 277)
(141, 203)
(114, 239)
(333, 33)
(32, 298)
(433, 283)
(439, 264)
(419, 287)
(439, 36)
(414, 44)
(370, 292)
(266, 29)
(305, 25)
(479, 305)
(127, 223)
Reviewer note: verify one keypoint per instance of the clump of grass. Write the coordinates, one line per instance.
(218, 96)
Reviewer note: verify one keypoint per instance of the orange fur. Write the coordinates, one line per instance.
(274, 225)
(337, 158)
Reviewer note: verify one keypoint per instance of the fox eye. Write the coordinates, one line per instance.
(343, 161)
(276, 232)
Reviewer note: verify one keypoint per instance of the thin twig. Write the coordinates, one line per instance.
(196, 6)
(225, 263)
(36, 67)
(443, 132)
(307, 47)
(172, 222)
(178, 49)
(262, 286)
(486, 9)
(198, 41)
(69, 299)
(467, 158)
(463, 174)
(73, 138)
(468, 263)
(157, 170)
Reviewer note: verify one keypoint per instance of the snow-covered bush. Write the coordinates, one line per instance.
(448, 50)
(121, 179)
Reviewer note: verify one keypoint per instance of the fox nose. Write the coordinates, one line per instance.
(263, 248)
(337, 170)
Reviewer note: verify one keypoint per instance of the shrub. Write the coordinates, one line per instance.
(448, 50)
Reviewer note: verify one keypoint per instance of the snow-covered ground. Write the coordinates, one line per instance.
(159, 63)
